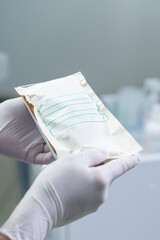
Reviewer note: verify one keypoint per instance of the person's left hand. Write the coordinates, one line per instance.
(19, 135)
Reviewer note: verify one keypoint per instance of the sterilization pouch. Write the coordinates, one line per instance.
(71, 118)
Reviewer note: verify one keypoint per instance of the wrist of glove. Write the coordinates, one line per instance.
(65, 191)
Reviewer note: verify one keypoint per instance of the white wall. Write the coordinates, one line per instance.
(113, 43)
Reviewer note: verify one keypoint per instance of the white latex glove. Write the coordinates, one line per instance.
(64, 191)
(19, 136)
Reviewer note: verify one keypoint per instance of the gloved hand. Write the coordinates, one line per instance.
(19, 136)
(64, 191)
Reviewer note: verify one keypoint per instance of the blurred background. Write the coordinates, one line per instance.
(116, 45)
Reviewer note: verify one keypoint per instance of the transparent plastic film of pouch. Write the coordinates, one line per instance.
(72, 117)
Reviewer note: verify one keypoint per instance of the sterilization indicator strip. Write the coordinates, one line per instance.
(69, 113)
(59, 97)
(62, 102)
(65, 107)
(77, 124)
(86, 114)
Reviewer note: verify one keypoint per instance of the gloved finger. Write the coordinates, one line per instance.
(46, 148)
(43, 158)
(118, 167)
(91, 157)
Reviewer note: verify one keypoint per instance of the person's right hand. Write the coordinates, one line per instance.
(19, 136)
(64, 191)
